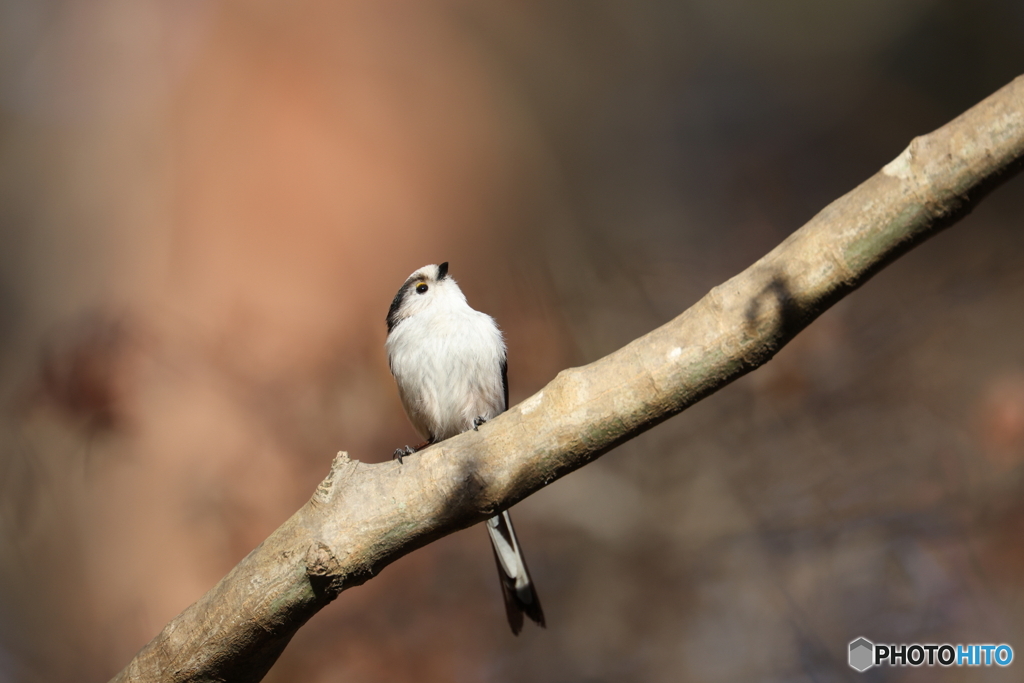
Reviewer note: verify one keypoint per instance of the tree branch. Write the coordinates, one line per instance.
(363, 517)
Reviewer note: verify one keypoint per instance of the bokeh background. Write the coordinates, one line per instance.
(207, 205)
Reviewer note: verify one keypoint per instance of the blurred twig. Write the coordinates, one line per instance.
(363, 517)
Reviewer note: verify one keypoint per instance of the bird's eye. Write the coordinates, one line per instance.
(422, 288)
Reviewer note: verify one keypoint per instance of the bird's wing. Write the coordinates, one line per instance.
(504, 380)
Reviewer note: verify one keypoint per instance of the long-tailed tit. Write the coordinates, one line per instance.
(449, 362)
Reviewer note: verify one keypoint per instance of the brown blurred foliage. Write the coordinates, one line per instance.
(206, 207)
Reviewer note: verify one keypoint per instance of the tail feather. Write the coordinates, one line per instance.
(516, 585)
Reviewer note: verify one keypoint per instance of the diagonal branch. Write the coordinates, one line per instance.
(363, 517)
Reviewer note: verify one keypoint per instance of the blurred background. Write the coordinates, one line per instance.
(206, 207)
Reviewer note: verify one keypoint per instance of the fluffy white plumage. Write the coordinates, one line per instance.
(447, 358)
(449, 363)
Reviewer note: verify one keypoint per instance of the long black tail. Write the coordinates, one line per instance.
(516, 585)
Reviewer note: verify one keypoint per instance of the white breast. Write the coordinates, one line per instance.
(447, 364)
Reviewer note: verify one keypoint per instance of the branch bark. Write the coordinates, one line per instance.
(363, 517)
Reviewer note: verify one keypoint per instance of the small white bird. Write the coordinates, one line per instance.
(449, 362)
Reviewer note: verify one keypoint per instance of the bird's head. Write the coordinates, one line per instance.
(429, 288)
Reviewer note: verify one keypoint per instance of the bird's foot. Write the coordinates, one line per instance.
(477, 421)
(402, 452)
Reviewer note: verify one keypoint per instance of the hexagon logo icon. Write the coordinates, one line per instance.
(862, 654)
